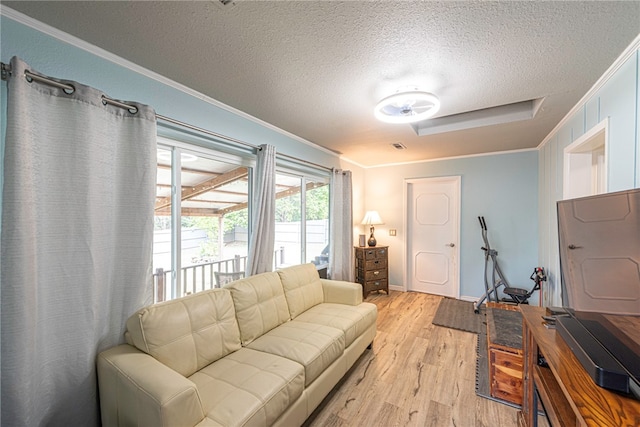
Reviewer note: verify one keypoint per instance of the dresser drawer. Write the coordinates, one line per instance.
(374, 274)
(372, 253)
(376, 285)
(381, 253)
(374, 264)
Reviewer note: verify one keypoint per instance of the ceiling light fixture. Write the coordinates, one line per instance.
(407, 107)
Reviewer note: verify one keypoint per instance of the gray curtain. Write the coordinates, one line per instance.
(263, 228)
(77, 233)
(341, 227)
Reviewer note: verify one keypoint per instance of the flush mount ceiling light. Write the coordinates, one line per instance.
(407, 107)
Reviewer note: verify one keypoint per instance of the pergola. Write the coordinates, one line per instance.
(214, 189)
(210, 188)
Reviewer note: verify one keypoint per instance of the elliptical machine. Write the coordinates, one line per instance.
(517, 295)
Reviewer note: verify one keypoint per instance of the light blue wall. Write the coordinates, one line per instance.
(501, 187)
(616, 100)
(57, 58)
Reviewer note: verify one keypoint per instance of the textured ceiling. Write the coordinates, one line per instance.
(317, 68)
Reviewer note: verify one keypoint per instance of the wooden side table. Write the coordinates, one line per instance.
(372, 270)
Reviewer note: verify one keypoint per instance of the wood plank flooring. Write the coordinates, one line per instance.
(417, 374)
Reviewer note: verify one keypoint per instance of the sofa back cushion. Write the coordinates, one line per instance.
(260, 305)
(188, 333)
(302, 288)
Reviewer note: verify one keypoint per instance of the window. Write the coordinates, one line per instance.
(302, 219)
(201, 229)
(317, 222)
(201, 217)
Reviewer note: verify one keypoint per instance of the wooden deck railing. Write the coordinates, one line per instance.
(200, 277)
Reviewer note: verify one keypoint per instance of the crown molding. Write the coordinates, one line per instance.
(440, 159)
(624, 56)
(104, 54)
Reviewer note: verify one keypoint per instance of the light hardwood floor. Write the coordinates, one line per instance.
(417, 374)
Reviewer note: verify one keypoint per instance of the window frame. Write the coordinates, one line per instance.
(177, 147)
(306, 175)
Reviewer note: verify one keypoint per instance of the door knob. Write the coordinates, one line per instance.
(451, 245)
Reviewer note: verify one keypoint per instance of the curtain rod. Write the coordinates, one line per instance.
(234, 140)
(69, 89)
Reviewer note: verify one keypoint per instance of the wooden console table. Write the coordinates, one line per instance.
(568, 394)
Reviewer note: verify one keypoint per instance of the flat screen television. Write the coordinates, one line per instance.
(599, 238)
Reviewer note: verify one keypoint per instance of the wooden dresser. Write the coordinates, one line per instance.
(372, 269)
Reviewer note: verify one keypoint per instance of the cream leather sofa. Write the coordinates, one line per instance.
(261, 351)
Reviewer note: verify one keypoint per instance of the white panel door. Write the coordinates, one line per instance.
(433, 218)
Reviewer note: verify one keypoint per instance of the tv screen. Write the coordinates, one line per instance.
(599, 243)
(600, 252)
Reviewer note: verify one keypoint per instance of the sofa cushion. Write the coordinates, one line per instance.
(313, 346)
(260, 304)
(189, 333)
(302, 288)
(248, 387)
(352, 320)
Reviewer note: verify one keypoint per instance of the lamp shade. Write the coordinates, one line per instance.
(372, 218)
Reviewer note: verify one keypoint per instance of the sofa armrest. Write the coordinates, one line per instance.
(341, 292)
(138, 390)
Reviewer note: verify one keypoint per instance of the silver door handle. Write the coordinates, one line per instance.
(452, 245)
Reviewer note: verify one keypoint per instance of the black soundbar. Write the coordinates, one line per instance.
(603, 368)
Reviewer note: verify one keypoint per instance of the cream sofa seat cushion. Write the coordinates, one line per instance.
(313, 346)
(302, 287)
(248, 388)
(189, 333)
(352, 320)
(260, 305)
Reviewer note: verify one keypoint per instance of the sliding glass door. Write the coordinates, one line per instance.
(201, 229)
(302, 220)
(201, 212)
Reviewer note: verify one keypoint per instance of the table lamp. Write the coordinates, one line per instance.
(372, 218)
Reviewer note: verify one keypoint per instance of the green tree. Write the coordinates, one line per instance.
(210, 225)
(288, 208)
(236, 219)
(318, 203)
